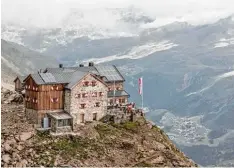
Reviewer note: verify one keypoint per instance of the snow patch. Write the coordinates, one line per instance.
(217, 79)
(224, 42)
(136, 52)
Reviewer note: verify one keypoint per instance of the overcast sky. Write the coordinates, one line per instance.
(52, 13)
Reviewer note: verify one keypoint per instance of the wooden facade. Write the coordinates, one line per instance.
(43, 97)
(18, 85)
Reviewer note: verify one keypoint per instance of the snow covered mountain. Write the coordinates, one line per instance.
(187, 69)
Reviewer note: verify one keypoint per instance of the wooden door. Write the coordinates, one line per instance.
(82, 118)
(95, 116)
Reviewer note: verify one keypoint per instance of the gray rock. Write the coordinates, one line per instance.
(7, 147)
(6, 158)
(19, 147)
(25, 136)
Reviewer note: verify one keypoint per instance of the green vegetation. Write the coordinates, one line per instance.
(143, 164)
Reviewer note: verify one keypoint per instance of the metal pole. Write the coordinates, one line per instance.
(142, 94)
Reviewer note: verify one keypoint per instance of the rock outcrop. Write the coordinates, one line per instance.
(130, 144)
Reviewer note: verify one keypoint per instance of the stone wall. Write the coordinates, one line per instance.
(67, 100)
(31, 115)
(63, 129)
(90, 101)
(35, 117)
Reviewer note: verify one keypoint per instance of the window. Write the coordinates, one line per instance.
(54, 100)
(34, 100)
(82, 118)
(109, 89)
(101, 94)
(94, 94)
(123, 100)
(94, 83)
(77, 95)
(27, 99)
(86, 83)
(63, 123)
(54, 88)
(84, 95)
(117, 88)
(82, 106)
(94, 116)
(97, 104)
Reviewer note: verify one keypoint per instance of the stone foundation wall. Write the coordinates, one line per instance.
(63, 129)
(31, 115)
(67, 100)
(35, 117)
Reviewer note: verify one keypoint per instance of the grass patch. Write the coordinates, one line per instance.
(143, 164)
(74, 147)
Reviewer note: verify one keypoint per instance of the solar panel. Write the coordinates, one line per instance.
(48, 77)
(109, 72)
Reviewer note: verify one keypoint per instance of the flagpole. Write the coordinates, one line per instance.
(142, 94)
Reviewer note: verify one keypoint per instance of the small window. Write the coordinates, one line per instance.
(94, 83)
(34, 100)
(101, 94)
(54, 100)
(94, 116)
(54, 87)
(27, 99)
(82, 106)
(77, 95)
(94, 94)
(97, 104)
(86, 83)
(63, 123)
(84, 95)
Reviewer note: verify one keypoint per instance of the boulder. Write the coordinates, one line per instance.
(25, 136)
(7, 147)
(6, 158)
(19, 147)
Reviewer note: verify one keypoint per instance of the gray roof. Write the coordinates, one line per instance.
(110, 72)
(37, 78)
(21, 78)
(118, 93)
(76, 77)
(60, 115)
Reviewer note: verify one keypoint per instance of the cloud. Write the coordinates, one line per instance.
(102, 13)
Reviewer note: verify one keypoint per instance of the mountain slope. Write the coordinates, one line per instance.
(18, 60)
(98, 144)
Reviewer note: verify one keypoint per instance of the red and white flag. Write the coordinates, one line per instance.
(140, 82)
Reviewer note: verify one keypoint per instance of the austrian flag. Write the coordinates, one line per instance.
(140, 82)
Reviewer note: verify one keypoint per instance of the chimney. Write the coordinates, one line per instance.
(81, 65)
(60, 65)
(91, 64)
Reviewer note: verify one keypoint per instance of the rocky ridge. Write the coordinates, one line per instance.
(130, 144)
